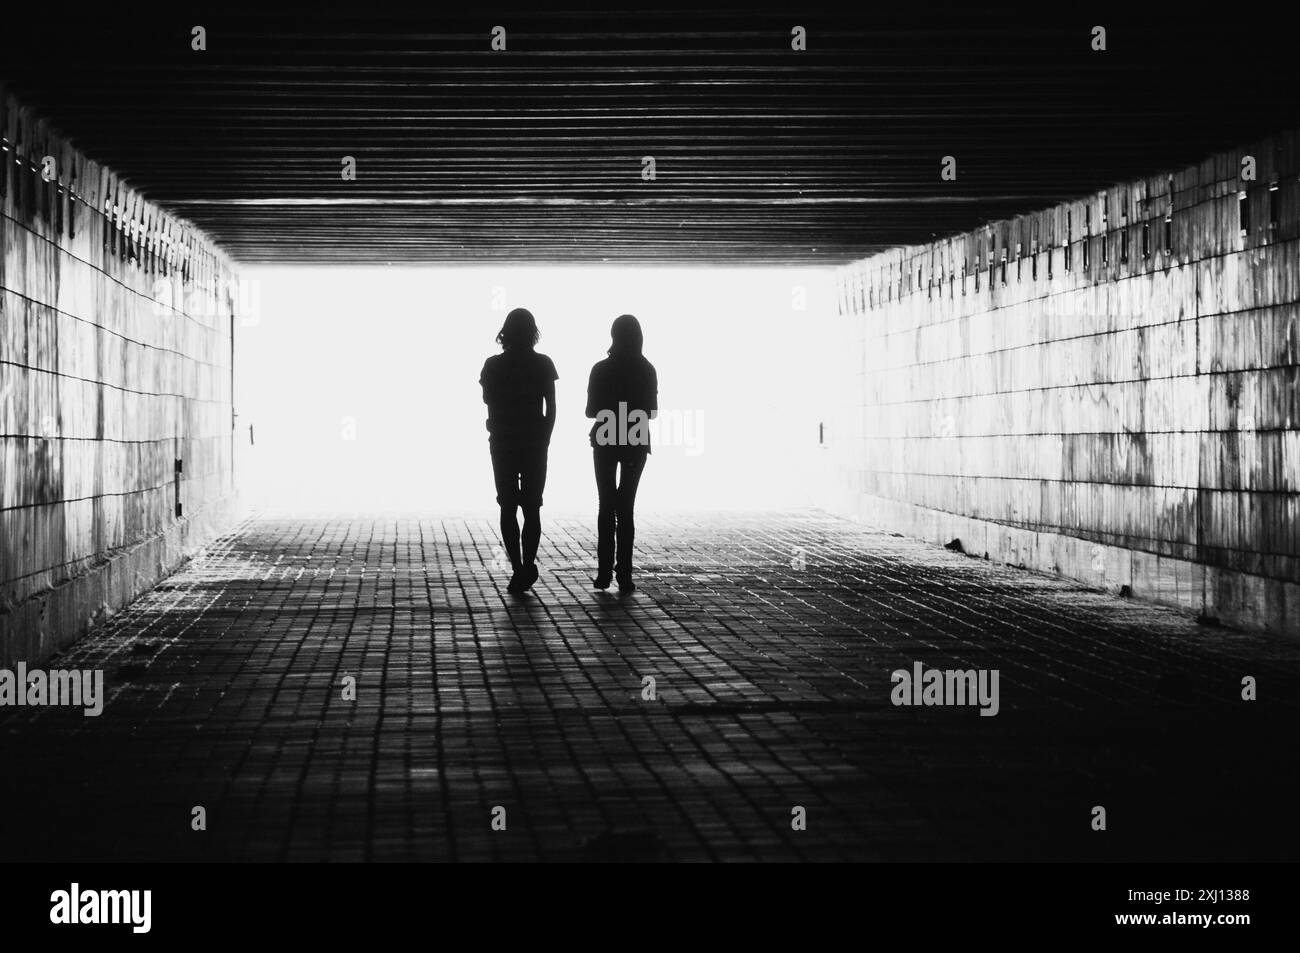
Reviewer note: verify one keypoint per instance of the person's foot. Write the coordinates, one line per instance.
(517, 578)
(603, 578)
(625, 584)
(530, 574)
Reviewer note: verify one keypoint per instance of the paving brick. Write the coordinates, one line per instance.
(771, 639)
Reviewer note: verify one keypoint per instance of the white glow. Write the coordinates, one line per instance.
(395, 353)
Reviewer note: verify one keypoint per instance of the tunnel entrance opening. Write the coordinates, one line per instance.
(361, 384)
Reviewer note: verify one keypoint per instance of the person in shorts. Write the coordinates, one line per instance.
(519, 390)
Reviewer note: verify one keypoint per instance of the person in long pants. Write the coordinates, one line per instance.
(623, 397)
(519, 390)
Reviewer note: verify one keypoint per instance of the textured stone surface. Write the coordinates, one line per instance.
(115, 343)
(771, 638)
(1119, 402)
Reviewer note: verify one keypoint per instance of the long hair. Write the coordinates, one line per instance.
(627, 337)
(519, 330)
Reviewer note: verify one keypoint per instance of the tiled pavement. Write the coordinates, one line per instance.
(771, 639)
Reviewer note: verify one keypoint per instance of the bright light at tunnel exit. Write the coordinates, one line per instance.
(360, 384)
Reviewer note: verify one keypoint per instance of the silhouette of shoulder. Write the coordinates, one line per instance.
(514, 370)
(615, 380)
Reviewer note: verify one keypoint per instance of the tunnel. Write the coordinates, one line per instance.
(969, 529)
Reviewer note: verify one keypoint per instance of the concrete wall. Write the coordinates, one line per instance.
(115, 346)
(1118, 403)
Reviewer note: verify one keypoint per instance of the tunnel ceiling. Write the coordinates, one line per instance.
(535, 153)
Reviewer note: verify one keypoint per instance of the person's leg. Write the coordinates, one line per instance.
(606, 466)
(633, 464)
(532, 534)
(505, 473)
(510, 536)
(532, 484)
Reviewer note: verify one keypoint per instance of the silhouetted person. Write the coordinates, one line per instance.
(519, 390)
(623, 396)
